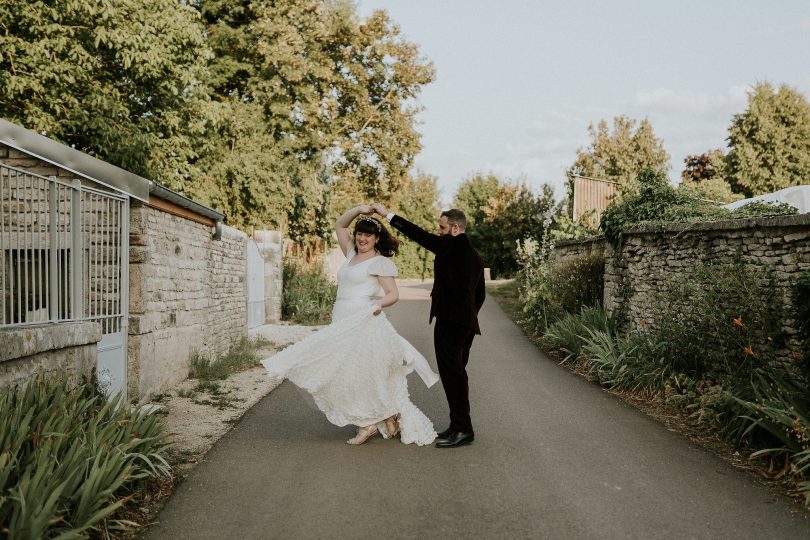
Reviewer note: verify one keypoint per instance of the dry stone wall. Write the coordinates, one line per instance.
(649, 256)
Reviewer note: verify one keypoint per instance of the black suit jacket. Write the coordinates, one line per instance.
(458, 284)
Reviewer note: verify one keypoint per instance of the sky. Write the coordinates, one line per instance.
(518, 82)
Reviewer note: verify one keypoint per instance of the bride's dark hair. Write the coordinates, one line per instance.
(386, 244)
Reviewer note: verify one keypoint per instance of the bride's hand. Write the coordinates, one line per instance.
(377, 309)
(365, 209)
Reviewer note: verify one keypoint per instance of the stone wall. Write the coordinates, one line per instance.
(187, 294)
(573, 249)
(66, 348)
(649, 256)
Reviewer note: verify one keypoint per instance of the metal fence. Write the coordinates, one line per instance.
(63, 251)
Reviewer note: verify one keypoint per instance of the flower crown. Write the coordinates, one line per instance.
(372, 220)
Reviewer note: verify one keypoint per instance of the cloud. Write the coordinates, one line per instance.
(669, 101)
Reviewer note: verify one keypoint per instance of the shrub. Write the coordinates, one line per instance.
(70, 458)
(308, 294)
(578, 283)
(550, 291)
(721, 322)
(780, 408)
(567, 334)
(653, 200)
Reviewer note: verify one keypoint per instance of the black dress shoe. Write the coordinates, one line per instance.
(444, 434)
(457, 438)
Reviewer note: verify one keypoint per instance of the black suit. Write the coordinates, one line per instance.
(457, 295)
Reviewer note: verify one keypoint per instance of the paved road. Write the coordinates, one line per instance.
(554, 457)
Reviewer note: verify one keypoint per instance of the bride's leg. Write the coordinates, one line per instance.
(363, 434)
(392, 425)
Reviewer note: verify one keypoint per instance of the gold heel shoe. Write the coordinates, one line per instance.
(363, 434)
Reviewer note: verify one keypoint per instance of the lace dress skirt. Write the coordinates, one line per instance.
(355, 370)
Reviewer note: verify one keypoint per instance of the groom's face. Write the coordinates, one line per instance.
(446, 228)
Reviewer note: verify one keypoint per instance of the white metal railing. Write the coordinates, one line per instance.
(61, 251)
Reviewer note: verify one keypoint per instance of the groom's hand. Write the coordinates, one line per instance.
(380, 209)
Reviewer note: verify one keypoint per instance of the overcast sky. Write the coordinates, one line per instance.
(518, 82)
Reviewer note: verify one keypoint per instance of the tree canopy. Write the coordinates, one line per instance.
(123, 81)
(500, 213)
(704, 176)
(420, 204)
(271, 112)
(621, 153)
(333, 120)
(769, 143)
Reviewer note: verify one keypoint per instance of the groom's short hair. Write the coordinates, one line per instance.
(456, 217)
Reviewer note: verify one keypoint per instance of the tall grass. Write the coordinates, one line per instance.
(570, 332)
(69, 459)
(308, 294)
(241, 355)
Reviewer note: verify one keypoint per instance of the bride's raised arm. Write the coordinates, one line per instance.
(342, 225)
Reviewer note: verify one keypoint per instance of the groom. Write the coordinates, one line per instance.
(457, 295)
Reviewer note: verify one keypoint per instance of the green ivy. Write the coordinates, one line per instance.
(655, 201)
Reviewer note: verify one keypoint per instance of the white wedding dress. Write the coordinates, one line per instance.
(355, 368)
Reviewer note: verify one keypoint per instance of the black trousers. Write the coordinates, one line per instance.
(452, 343)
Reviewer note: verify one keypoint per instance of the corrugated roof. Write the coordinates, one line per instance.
(77, 162)
(94, 169)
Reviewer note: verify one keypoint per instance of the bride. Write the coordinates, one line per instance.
(355, 369)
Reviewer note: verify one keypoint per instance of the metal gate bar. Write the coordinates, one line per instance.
(61, 251)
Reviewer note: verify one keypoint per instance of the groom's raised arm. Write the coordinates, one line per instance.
(416, 233)
(429, 241)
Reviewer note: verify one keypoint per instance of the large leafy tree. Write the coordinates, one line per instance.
(620, 153)
(501, 213)
(329, 98)
(476, 193)
(123, 81)
(769, 143)
(420, 204)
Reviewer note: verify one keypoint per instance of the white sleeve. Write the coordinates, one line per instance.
(388, 216)
(382, 266)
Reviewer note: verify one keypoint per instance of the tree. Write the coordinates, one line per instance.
(122, 81)
(769, 143)
(329, 97)
(336, 86)
(475, 194)
(500, 213)
(704, 176)
(420, 205)
(702, 167)
(619, 155)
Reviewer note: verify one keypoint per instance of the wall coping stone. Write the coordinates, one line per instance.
(230, 231)
(796, 220)
(22, 341)
(580, 241)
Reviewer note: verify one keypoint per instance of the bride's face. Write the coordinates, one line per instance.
(364, 242)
